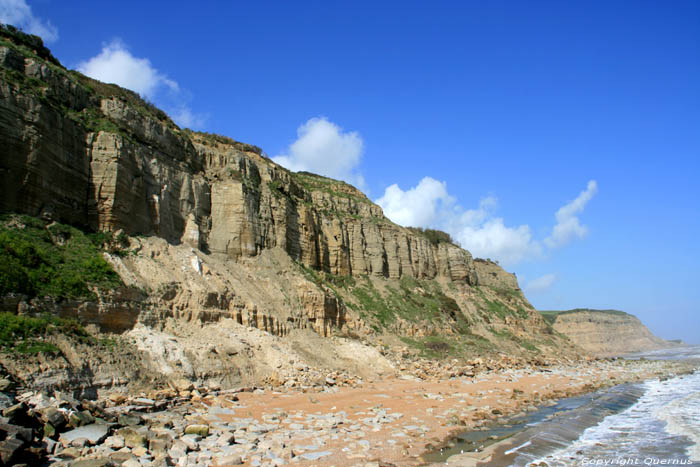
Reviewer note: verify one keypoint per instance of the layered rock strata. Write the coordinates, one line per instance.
(607, 332)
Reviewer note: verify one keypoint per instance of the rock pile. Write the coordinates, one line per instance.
(155, 430)
(311, 425)
(435, 370)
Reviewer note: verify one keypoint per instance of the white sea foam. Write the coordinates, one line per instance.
(682, 417)
(663, 423)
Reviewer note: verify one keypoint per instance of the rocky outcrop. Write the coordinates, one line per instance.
(115, 311)
(605, 332)
(490, 274)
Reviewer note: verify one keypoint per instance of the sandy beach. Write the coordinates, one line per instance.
(394, 422)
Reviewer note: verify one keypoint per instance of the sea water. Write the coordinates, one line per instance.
(650, 423)
(661, 428)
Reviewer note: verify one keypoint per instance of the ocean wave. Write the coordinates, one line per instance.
(682, 417)
(663, 423)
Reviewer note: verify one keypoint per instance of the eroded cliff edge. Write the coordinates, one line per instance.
(217, 241)
(605, 332)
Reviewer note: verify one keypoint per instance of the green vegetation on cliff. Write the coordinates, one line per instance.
(212, 139)
(413, 301)
(434, 236)
(440, 347)
(26, 334)
(312, 182)
(28, 44)
(54, 260)
(550, 316)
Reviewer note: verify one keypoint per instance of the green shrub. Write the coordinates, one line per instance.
(25, 334)
(58, 261)
(28, 42)
(434, 236)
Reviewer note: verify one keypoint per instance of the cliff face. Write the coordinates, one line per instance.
(97, 159)
(218, 231)
(605, 332)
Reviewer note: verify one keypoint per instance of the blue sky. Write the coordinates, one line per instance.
(514, 111)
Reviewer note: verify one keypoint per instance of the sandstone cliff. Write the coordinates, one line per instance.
(215, 232)
(605, 332)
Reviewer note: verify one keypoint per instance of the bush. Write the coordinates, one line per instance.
(434, 236)
(25, 334)
(58, 261)
(30, 41)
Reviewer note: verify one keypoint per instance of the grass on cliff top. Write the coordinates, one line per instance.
(434, 236)
(91, 116)
(550, 316)
(27, 43)
(312, 182)
(211, 139)
(57, 260)
(26, 334)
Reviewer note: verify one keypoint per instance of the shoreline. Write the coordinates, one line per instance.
(390, 422)
(395, 421)
(504, 451)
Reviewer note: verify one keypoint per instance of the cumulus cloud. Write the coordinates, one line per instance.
(479, 230)
(541, 284)
(429, 204)
(417, 206)
(568, 226)
(493, 239)
(18, 13)
(323, 147)
(487, 236)
(116, 64)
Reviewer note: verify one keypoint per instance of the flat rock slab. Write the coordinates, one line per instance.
(143, 401)
(101, 462)
(312, 456)
(94, 433)
(129, 420)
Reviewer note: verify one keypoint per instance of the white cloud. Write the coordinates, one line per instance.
(417, 206)
(487, 236)
(479, 230)
(115, 64)
(568, 226)
(323, 147)
(493, 239)
(541, 284)
(18, 13)
(185, 118)
(430, 205)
